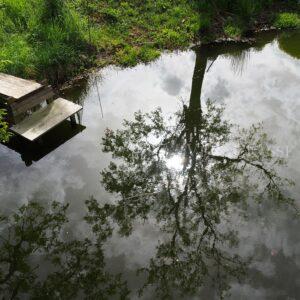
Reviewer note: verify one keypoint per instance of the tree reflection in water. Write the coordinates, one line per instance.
(190, 173)
(39, 260)
(193, 197)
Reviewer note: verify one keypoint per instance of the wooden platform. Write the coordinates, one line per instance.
(45, 119)
(16, 88)
(20, 97)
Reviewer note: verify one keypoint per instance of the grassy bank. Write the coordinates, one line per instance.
(58, 39)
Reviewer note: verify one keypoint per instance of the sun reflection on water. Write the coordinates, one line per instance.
(175, 162)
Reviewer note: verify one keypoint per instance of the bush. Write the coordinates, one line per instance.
(287, 20)
(4, 133)
(246, 10)
(232, 30)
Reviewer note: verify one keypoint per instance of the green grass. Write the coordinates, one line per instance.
(287, 20)
(129, 32)
(129, 56)
(40, 40)
(58, 39)
(48, 39)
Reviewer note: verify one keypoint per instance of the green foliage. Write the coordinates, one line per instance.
(53, 10)
(57, 39)
(204, 22)
(232, 30)
(4, 133)
(171, 38)
(287, 20)
(247, 9)
(130, 56)
(110, 15)
(149, 54)
(244, 8)
(245, 12)
(20, 54)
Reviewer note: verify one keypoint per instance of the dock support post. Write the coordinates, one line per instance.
(73, 121)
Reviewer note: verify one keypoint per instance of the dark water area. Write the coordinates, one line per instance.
(178, 217)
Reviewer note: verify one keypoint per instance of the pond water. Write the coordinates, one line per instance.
(255, 84)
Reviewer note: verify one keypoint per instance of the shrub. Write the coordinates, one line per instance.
(4, 133)
(232, 31)
(287, 20)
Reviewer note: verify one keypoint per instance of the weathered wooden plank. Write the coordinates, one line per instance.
(46, 118)
(14, 87)
(26, 103)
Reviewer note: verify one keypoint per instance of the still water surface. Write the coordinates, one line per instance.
(255, 84)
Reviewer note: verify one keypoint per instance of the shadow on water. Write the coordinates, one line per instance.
(196, 176)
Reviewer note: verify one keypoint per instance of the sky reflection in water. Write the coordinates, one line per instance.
(264, 90)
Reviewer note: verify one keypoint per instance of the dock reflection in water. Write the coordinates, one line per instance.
(34, 151)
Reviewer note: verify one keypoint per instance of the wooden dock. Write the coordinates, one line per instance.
(16, 88)
(23, 100)
(45, 119)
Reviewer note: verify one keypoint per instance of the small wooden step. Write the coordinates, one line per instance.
(45, 119)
